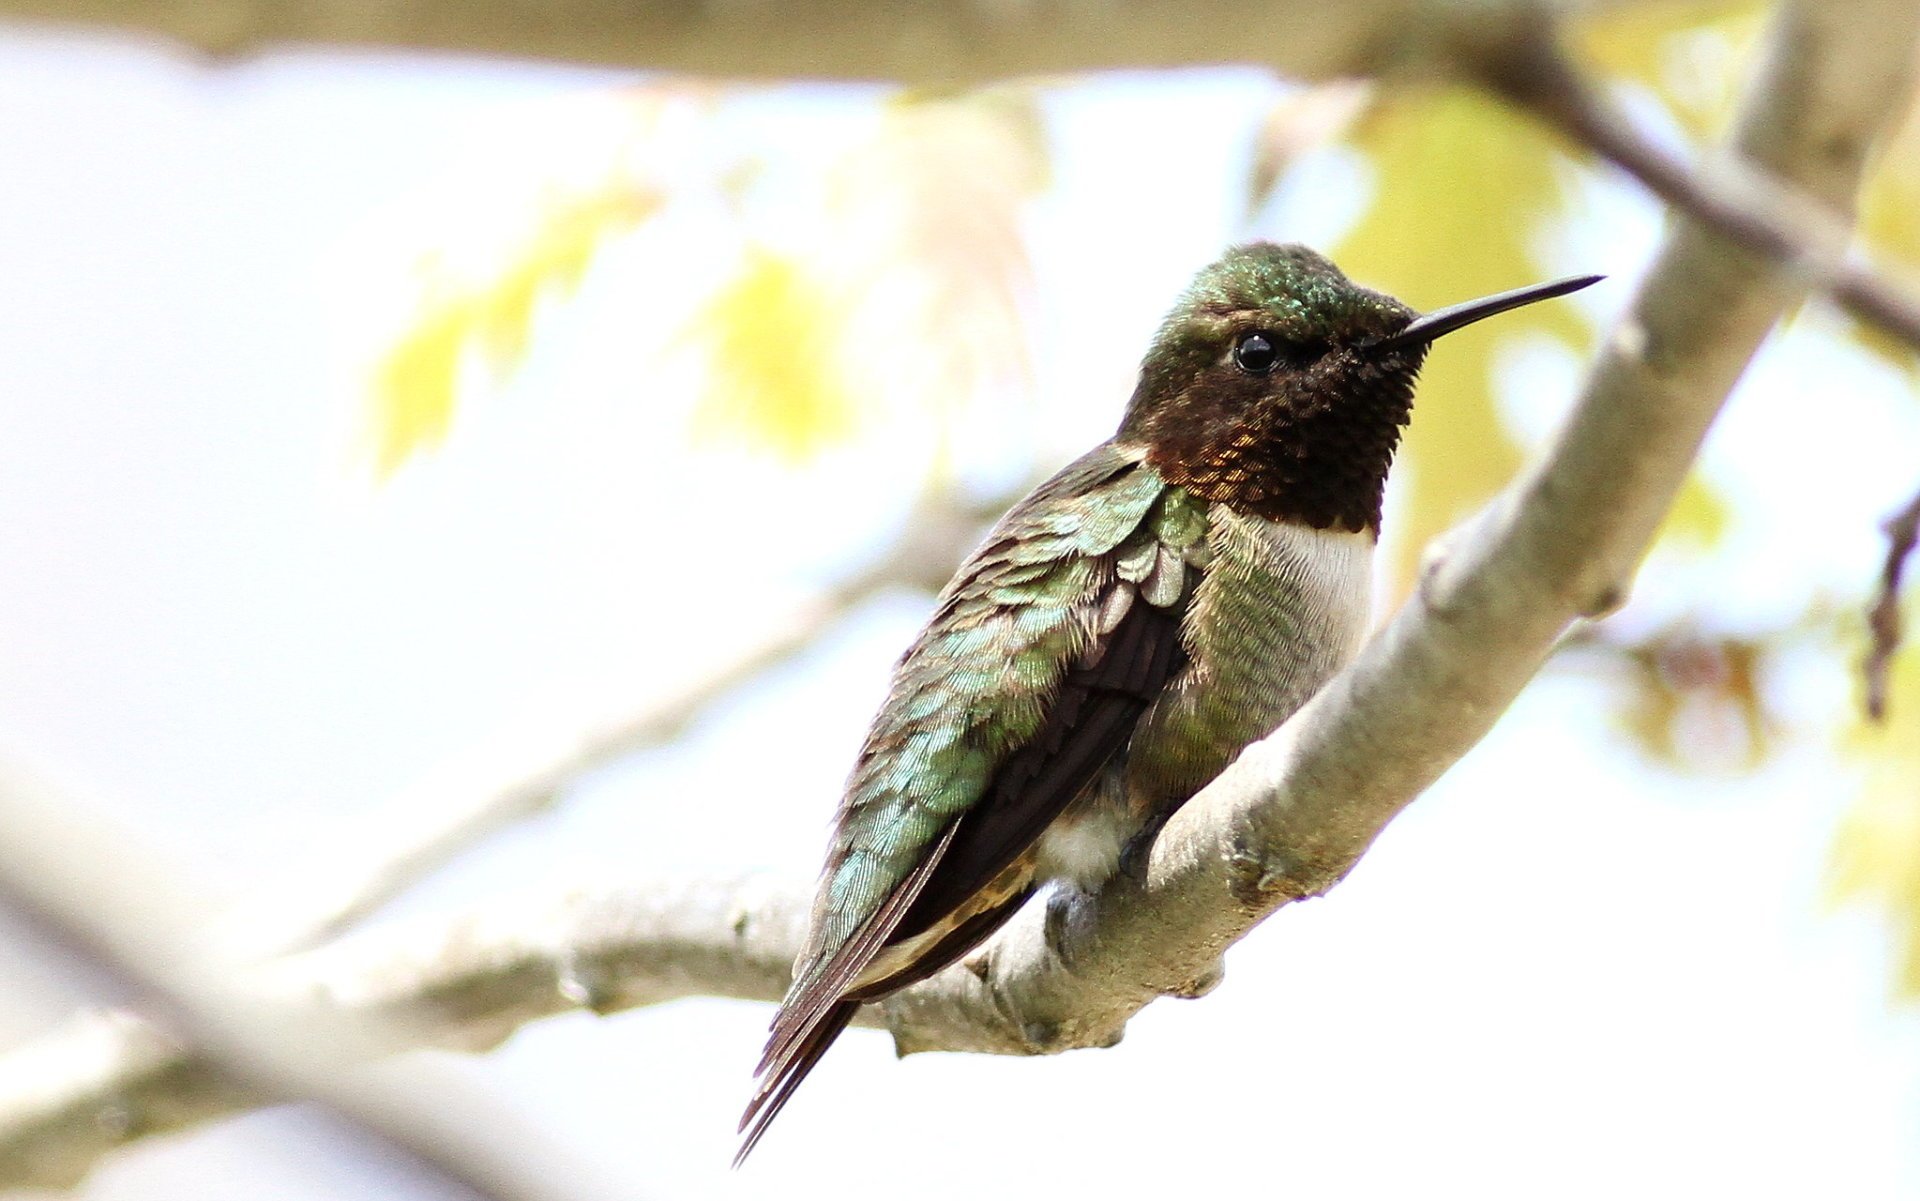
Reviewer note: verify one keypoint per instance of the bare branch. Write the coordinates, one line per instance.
(99, 899)
(938, 42)
(520, 772)
(106, 1079)
(1723, 191)
(1883, 619)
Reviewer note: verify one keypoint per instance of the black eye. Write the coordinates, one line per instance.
(1256, 353)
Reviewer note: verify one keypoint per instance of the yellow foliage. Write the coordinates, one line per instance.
(1692, 54)
(773, 335)
(416, 383)
(916, 258)
(911, 238)
(1876, 854)
(1694, 702)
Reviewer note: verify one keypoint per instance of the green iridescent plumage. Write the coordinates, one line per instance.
(976, 683)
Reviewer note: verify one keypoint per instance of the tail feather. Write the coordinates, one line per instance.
(785, 1074)
(823, 983)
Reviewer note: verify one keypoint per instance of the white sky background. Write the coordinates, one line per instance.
(1560, 973)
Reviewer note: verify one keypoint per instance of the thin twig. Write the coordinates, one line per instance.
(1883, 619)
(521, 772)
(1722, 190)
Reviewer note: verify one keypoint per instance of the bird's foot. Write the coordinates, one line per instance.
(1139, 848)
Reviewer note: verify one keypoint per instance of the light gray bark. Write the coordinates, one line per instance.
(937, 42)
(103, 899)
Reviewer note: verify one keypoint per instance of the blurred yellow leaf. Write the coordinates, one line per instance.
(1693, 701)
(1698, 518)
(774, 335)
(1876, 853)
(909, 243)
(414, 388)
(914, 256)
(490, 314)
(1691, 54)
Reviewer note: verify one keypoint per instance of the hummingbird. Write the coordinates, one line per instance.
(1123, 632)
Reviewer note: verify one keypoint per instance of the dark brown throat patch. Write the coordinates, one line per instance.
(1313, 448)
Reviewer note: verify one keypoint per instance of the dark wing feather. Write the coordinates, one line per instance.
(1092, 718)
(810, 999)
(1039, 661)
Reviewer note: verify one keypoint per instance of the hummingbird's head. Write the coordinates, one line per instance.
(1277, 386)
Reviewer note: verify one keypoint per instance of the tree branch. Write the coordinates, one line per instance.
(1883, 619)
(521, 771)
(106, 1079)
(919, 42)
(100, 899)
(1724, 191)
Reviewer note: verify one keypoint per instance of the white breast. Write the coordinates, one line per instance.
(1328, 572)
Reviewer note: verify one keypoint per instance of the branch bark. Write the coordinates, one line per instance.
(920, 42)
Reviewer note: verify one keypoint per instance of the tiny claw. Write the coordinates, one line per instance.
(1063, 905)
(1138, 853)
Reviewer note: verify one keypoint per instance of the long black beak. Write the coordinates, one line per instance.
(1445, 321)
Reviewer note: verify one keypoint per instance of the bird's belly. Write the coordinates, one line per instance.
(1084, 845)
(1280, 609)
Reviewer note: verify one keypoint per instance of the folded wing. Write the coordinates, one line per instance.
(1051, 641)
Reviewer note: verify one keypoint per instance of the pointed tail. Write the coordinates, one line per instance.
(786, 1070)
